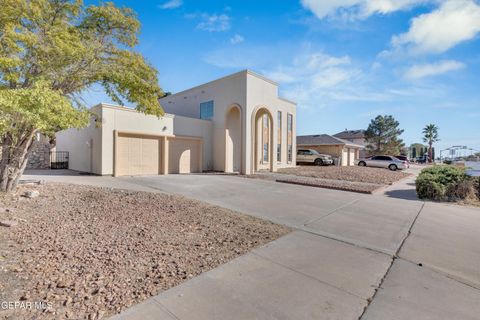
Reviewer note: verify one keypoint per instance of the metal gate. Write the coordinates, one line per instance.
(59, 160)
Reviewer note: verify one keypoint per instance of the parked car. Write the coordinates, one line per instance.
(389, 162)
(422, 159)
(404, 159)
(313, 156)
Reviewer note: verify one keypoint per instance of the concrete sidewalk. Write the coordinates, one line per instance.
(352, 256)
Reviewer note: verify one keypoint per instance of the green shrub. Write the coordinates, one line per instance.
(428, 189)
(433, 183)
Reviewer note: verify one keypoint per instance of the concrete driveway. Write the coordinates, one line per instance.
(351, 256)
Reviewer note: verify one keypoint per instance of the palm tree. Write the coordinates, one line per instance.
(430, 136)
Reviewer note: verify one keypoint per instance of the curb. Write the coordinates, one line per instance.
(326, 187)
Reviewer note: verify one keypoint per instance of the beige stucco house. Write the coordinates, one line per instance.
(355, 136)
(344, 151)
(234, 124)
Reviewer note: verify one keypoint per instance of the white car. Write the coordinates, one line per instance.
(313, 156)
(389, 162)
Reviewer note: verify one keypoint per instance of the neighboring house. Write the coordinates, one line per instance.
(355, 136)
(234, 124)
(345, 151)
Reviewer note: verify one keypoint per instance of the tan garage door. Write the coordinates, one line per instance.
(344, 157)
(184, 155)
(352, 157)
(137, 155)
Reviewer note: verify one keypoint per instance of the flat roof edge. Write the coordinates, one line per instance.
(123, 108)
(286, 100)
(245, 71)
(206, 84)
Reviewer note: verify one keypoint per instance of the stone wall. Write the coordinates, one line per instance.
(39, 157)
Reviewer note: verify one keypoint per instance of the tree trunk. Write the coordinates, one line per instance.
(14, 160)
(430, 152)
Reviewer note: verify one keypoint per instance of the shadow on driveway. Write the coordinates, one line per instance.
(405, 194)
(56, 172)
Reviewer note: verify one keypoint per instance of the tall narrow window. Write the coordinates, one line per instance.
(206, 110)
(265, 136)
(289, 137)
(279, 136)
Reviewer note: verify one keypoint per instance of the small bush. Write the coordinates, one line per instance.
(429, 189)
(461, 190)
(433, 182)
(476, 184)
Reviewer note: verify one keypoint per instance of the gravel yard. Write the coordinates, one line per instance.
(92, 252)
(361, 187)
(355, 174)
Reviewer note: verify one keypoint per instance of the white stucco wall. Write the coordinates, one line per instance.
(225, 92)
(128, 120)
(262, 92)
(84, 147)
(190, 127)
(92, 149)
(247, 90)
(244, 89)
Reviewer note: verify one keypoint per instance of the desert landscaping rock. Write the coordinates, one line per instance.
(355, 179)
(361, 187)
(31, 194)
(354, 173)
(8, 223)
(92, 252)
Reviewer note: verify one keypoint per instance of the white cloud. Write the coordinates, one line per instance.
(317, 80)
(455, 21)
(236, 39)
(432, 69)
(214, 22)
(358, 8)
(319, 69)
(172, 4)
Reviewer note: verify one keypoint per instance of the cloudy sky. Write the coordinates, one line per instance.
(342, 61)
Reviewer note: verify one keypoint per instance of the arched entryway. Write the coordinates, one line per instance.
(233, 140)
(262, 136)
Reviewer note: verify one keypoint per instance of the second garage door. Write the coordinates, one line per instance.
(138, 155)
(344, 157)
(351, 157)
(184, 155)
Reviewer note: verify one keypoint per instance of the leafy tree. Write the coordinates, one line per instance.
(382, 136)
(430, 136)
(414, 153)
(50, 52)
